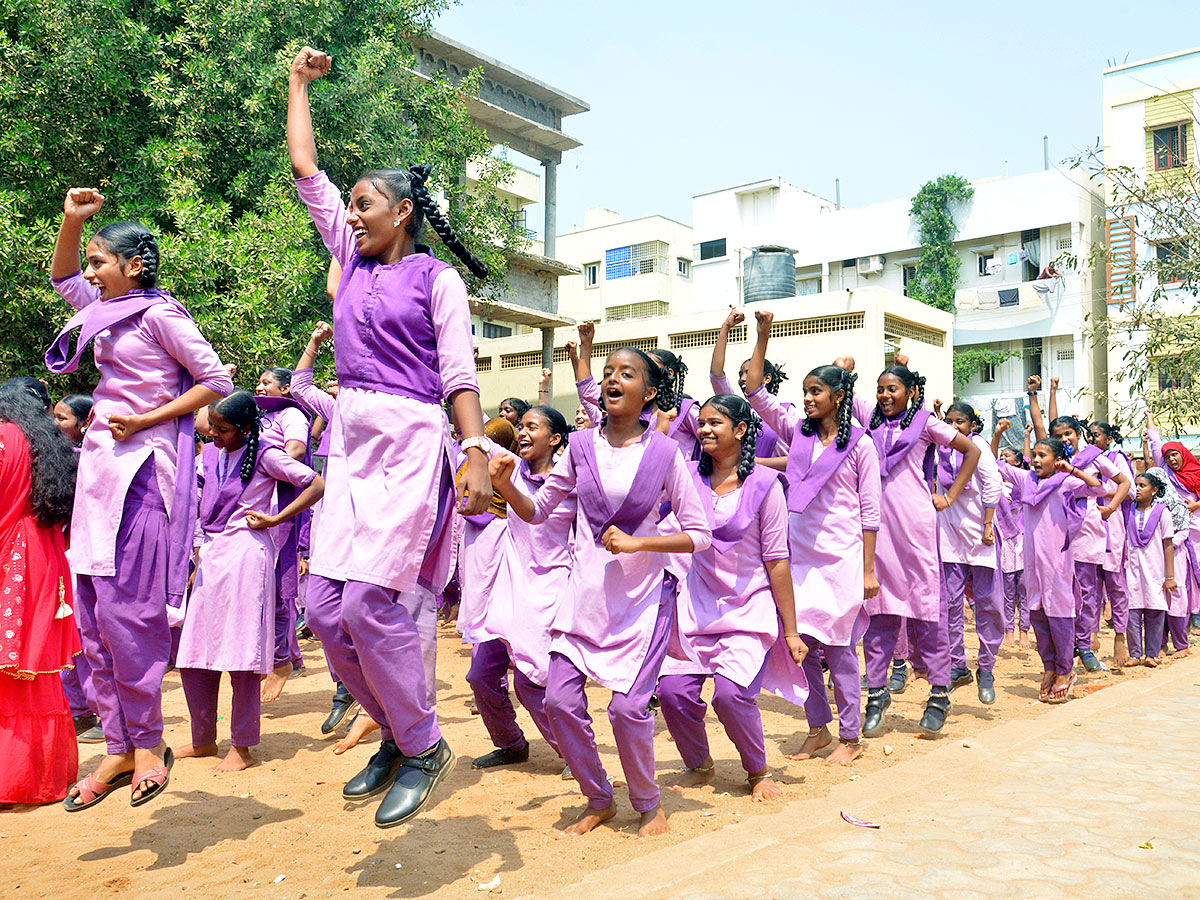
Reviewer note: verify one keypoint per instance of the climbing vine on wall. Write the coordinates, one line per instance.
(933, 208)
(969, 362)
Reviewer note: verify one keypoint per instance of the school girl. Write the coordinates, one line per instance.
(1183, 470)
(906, 556)
(1010, 529)
(1154, 575)
(736, 603)
(530, 583)
(382, 546)
(71, 415)
(833, 505)
(769, 446)
(967, 545)
(614, 623)
(512, 409)
(1052, 491)
(284, 425)
(135, 504)
(229, 622)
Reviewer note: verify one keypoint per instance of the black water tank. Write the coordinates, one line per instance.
(768, 273)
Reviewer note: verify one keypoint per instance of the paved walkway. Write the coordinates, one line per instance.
(1055, 807)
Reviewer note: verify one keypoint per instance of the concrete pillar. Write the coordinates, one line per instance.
(550, 226)
(548, 356)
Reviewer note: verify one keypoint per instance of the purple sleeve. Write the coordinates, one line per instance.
(863, 410)
(294, 425)
(720, 384)
(282, 467)
(452, 331)
(783, 421)
(686, 504)
(870, 487)
(324, 202)
(939, 432)
(773, 524)
(1075, 488)
(312, 398)
(75, 290)
(557, 487)
(177, 333)
(589, 396)
(1156, 445)
(991, 488)
(1166, 526)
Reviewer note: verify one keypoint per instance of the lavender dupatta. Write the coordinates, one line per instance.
(753, 491)
(805, 476)
(1140, 537)
(643, 494)
(906, 439)
(219, 499)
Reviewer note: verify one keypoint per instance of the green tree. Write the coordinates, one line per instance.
(969, 360)
(933, 210)
(176, 110)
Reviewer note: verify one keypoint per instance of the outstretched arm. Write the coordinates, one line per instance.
(1032, 386)
(80, 204)
(1052, 405)
(758, 359)
(1002, 426)
(308, 65)
(716, 366)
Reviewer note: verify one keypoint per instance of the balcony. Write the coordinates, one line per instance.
(1020, 309)
(1013, 295)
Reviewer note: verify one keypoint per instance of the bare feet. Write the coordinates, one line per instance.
(696, 776)
(110, 767)
(273, 682)
(1047, 684)
(654, 823)
(845, 753)
(237, 759)
(362, 726)
(1120, 650)
(191, 751)
(1095, 643)
(1132, 661)
(589, 820)
(763, 787)
(1022, 640)
(1180, 654)
(818, 739)
(1151, 662)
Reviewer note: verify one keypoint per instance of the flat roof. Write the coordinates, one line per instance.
(1152, 59)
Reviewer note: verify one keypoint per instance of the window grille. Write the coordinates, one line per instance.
(521, 360)
(1064, 355)
(818, 325)
(922, 333)
(644, 310)
(600, 352)
(637, 259)
(691, 339)
(483, 364)
(1063, 244)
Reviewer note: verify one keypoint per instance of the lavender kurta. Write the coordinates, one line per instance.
(284, 425)
(1010, 528)
(770, 444)
(1147, 566)
(826, 540)
(229, 625)
(532, 579)
(960, 528)
(1100, 542)
(1156, 445)
(389, 440)
(606, 620)
(906, 555)
(1049, 568)
(480, 551)
(140, 362)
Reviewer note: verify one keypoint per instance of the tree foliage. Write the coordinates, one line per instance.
(176, 110)
(970, 360)
(933, 209)
(1153, 342)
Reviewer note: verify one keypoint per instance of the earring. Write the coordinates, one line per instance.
(396, 224)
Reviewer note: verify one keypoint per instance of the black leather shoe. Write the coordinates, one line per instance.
(878, 700)
(378, 774)
(85, 722)
(959, 677)
(987, 687)
(508, 757)
(343, 705)
(414, 785)
(898, 680)
(937, 707)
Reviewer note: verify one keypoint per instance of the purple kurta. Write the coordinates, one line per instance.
(826, 540)
(906, 555)
(140, 362)
(1147, 567)
(532, 579)
(229, 625)
(769, 443)
(480, 551)
(960, 528)
(403, 345)
(606, 620)
(1100, 542)
(1010, 528)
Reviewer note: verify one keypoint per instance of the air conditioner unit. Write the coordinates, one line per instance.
(871, 265)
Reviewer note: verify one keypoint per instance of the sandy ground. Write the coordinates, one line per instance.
(236, 835)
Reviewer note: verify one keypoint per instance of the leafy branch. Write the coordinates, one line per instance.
(933, 209)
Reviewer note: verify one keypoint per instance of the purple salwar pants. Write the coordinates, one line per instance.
(488, 677)
(201, 688)
(77, 685)
(1146, 628)
(847, 688)
(1091, 578)
(369, 633)
(629, 713)
(989, 613)
(927, 640)
(123, 622)
(736, 707)
(1177, 628)
(287, 644)
(1016, 616)
(1055, 641)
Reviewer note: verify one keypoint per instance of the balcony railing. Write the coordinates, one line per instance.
(1014, 295)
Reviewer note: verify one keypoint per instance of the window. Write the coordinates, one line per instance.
(1171, 375)
(712, 249)
(637, 259)
(987, 373)
(908, 275)
(644, 310)
(851, 263)
(987, 263)
(1172, 258)
(806, 287)
(1170, 147)
(1031, 352)
(491, 330)
(591, 274)
(683, 267)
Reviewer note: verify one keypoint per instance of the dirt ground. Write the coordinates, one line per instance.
(238, 835)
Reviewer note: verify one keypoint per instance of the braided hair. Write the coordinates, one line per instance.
(672, 383)
(836, 379)
(410, 184)
(656, 377)
(773, 376)
(968, 411)
(738, 411)
(240, 411)
(129, 239)
(1109, 431)
(912, 381)
(52, 461)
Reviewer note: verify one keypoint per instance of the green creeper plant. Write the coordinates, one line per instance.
(933, 210)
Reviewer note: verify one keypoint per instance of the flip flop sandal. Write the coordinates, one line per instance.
(159, 776)
(92, 791)
(1065, 694)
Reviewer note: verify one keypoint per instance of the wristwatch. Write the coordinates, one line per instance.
(483, 442)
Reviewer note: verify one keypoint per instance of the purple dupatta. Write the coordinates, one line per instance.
(805, 476)
(906, 439)
(643, 494)
(1140, 537)
(753, 491)
(219, 499)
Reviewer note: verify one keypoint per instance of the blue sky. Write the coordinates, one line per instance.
(691, 96)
